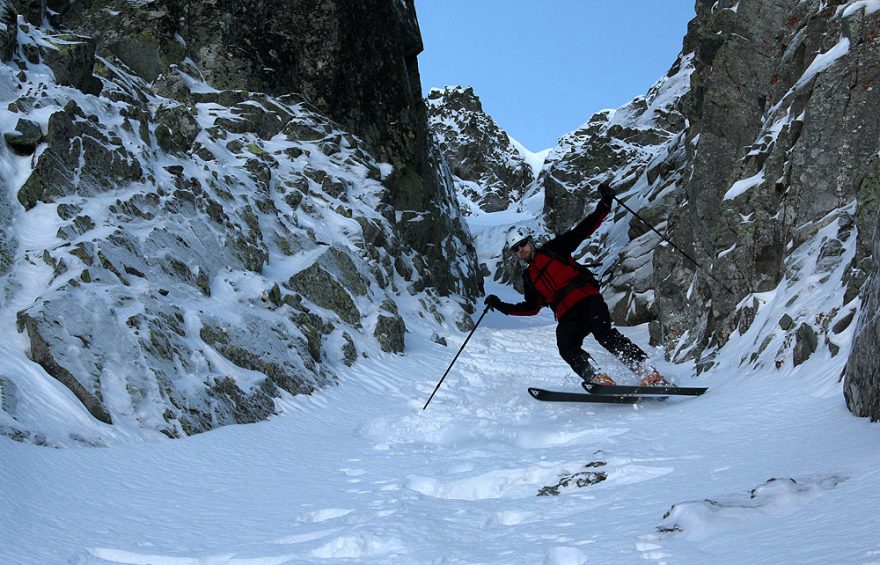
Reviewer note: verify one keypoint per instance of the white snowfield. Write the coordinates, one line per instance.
(763, 468)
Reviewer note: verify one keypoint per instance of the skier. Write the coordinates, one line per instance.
(554, 278)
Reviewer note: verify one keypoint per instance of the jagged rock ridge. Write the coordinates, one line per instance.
(490, 172)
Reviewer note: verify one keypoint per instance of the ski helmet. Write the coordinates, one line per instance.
(516, 235)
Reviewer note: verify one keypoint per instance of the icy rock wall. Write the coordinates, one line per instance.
(180, 254)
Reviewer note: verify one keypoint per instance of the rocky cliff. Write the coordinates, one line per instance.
(489, 170)
(778, 206)
(209, 206)
(775, 192)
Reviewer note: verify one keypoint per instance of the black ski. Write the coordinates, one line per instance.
(559, 396)
(618, 390)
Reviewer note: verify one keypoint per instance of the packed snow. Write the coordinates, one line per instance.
(534, 160)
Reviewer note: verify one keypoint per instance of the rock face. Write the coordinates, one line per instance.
(8, 30)
(205, 248)
(490, 172)
(862, 384)
(355, 61)
(782, 137)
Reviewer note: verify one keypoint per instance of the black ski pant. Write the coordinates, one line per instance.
(591, 316)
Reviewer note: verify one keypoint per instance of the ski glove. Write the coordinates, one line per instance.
(494, 303)
(605, 194)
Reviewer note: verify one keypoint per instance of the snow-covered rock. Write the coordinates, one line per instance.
(782, 134)
(176, 257)
(491, 170)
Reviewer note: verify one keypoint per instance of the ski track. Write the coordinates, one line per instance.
(360, 473)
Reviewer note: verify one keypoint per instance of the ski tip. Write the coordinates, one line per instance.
(536, 393)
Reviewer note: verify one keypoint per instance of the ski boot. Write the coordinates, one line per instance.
(602, 379)
(652, 377)
(597, 379)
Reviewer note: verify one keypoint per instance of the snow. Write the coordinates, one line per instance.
(534, 160)
(360, 473)
(385, 170)
(870, 7)
(740, 187)
(823, 61)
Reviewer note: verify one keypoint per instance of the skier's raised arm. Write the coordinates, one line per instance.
(568, 242)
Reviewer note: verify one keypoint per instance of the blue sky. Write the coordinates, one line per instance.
(542, 68)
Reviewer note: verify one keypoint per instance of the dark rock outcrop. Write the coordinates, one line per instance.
(8, 30)
(783, 127)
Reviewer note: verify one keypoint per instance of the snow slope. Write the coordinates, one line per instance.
(361, 474)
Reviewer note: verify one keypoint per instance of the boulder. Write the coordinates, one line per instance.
(25, 138)
(72, 59)
(322, 288)
(390, 328)
(180, 125)
(806, 342)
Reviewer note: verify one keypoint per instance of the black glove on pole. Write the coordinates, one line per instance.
(436, 388)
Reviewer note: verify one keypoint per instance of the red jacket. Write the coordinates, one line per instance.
(553, 277)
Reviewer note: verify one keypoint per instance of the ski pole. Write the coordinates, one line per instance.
(436, 388)
(674, 246)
